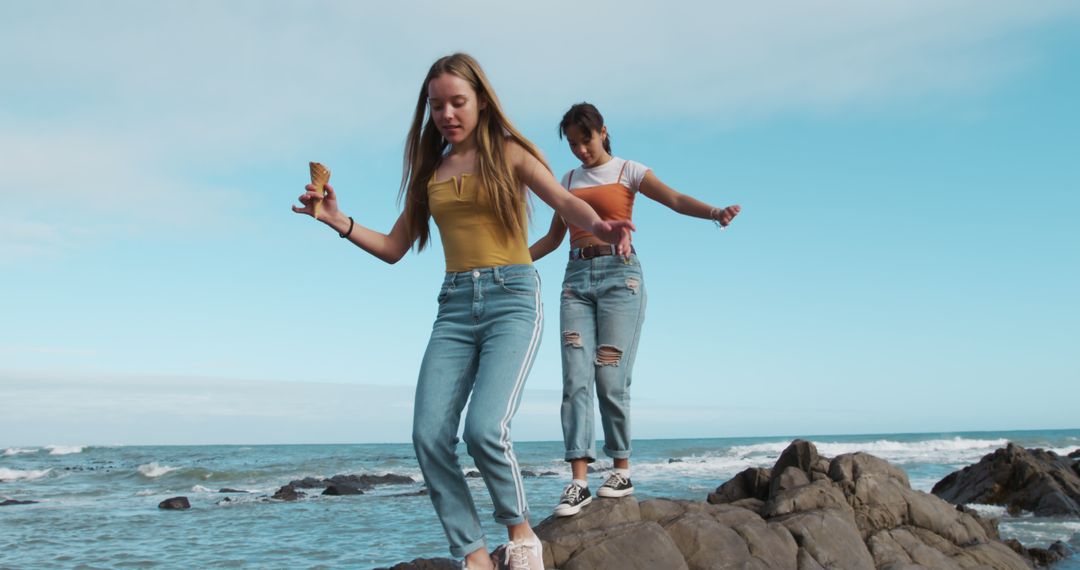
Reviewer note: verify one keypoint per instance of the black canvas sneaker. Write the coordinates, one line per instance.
(574, 497)
(616, 486)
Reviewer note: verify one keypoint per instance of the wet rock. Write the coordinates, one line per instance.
(338, 489)
(228, 490)
(426, 564)
(288, 493)
(749, 483)
(363, 482)
(473, 474)
(421, 493)
(13, 502)
(175, 503)
(1019, 479)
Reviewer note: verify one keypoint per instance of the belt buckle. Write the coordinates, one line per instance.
(589, 248)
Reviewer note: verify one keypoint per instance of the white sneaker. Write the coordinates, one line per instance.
(523, 555)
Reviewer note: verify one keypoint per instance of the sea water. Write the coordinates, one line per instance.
(97, 506)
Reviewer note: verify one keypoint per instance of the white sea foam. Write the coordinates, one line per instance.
(200, 489)
(947, 451)
(145, 493)
(18, 451)
(154, 470)
(9, 475)
(64, 449)
(1040, 532)
(988, 511)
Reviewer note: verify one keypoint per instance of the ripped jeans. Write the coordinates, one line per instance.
(603, 306)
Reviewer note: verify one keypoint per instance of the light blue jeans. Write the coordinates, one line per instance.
(482, 344)
(603, 306)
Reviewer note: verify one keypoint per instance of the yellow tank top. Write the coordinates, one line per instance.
(472, 235)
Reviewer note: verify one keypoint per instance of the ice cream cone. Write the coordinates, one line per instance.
(320, 175)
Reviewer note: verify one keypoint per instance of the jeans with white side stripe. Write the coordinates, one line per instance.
(483, 343)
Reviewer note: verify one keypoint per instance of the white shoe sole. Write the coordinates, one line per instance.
(570, 511)
(613, 494)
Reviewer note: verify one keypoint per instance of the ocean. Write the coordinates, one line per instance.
(97, 505)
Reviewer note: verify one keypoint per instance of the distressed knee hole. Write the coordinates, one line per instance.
(567, 293)
(633, 284)
(571, 338)
(607, 355)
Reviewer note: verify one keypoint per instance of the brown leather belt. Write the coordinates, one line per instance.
(592, 251)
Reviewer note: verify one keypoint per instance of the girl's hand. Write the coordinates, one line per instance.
(616, 231)
(328, 210)
(724, 217)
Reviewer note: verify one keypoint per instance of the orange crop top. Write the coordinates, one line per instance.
(611, 202)
(472, 235)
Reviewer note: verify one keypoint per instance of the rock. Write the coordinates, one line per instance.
(363, 482)
(337, 489)
(288, 493)
(1036, 480)
(473, 474)
(829, 537)
(629, 546)
(792, 477)
(175, 503)
(426, 564)
(307, 483)
(749, 483)
(808, 512)
(13, 502)
(228, 490)
(674, 460)
(800, 454)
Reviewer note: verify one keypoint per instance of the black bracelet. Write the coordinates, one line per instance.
(348, 231)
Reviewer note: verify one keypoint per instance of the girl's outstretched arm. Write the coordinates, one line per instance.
(387, 247)
(551, 240)
(684, 204)
(572, 209)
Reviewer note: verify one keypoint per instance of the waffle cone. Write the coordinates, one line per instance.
(320, 175)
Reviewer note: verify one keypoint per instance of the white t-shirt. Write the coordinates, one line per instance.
(606, 173)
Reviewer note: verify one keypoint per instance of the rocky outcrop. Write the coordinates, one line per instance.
(175, 503)
(805, 513)
(288, 493)
(339, 485)
(1019, 479)
(362, 482)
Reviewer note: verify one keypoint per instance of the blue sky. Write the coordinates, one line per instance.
(906, 260)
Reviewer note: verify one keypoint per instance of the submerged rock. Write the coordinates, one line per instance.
(288, 493)
(175, 503)
(363, 482)
(337, 489)
(13, 502)
(1019, 479)
(426, 564)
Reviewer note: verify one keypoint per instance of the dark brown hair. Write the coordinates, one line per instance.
(586, 117)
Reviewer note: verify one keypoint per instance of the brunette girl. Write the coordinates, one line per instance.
(603, 301)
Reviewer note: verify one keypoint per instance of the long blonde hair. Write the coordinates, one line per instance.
(425, 147)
